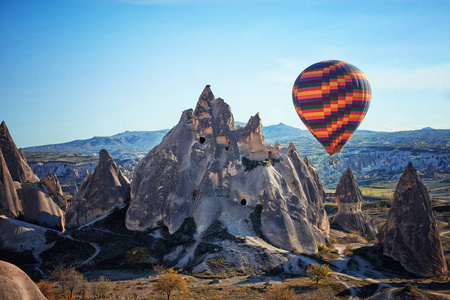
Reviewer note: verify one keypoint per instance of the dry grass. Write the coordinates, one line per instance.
(239, 287)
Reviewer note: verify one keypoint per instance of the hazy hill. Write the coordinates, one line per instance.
(122, 145)
(374, 156)
(138, 143)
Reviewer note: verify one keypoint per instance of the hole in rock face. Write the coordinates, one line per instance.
(195, 193)
(226, 148)
(243, 202)
(202, 139)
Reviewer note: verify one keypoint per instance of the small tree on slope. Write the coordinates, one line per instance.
(169, 280)
(316, 272)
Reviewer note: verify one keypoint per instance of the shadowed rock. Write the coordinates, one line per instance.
(208, 169)
(15, 284)
(10, 204)
(100, 193)
(15, 160)
(411, 235)
(39, 206)
(349, 200)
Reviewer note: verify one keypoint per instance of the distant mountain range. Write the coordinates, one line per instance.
(132, 144)
(138, 143)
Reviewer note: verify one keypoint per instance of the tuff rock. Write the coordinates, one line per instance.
(411, 235)
(100, 193)
(21, 192)
(14, 158)
(15, 284)
(10, 204)
(349, 200)
(39, 206)
(224, 176)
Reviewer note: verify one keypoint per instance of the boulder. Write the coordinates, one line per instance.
(100, 193)
(411, 234)
(19, 236)
(349, 200)
(15, 284)
(209, 170)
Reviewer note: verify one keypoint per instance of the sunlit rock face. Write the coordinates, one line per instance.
(21, 192)
(411, 234)
(100, 193)
(15, 284)
(15, 160)
(208, 169)
(349, 200)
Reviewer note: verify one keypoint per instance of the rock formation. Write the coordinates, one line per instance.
(19, 236)
(51, 186)
(410, 234)
(408, 292)
(21, 192)
(218, 174)
(39, 206)
(15, 160)
(15, 284)
(10, 204)
(349, 200)
(100, 193)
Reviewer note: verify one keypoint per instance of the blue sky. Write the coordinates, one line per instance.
(73, 69)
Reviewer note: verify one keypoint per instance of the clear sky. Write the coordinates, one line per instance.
(74, 69)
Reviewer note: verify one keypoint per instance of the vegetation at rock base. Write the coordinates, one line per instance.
(69, 278)
(138, 256)
(325, 254)
(46, 289)
(348, 251)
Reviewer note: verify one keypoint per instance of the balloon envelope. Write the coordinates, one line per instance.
(331, 98)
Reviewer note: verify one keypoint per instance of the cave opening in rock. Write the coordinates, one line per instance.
(202, 139)
(243, 202)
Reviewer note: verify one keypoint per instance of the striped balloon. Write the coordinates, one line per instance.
(332, 97)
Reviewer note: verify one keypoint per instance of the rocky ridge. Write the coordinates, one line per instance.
(223, 177)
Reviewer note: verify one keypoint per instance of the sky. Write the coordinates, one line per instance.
(74, 69)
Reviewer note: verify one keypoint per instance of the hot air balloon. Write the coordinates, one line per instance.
(331, 98)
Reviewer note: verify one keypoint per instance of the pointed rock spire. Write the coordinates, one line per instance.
(204, 102)
(104, 190)
(347, 190)
(349, 199)
(411, 235)
(16, 162)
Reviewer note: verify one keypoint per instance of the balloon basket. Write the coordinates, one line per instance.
(333, 162)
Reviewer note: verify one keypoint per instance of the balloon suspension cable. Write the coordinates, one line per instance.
(334, 161)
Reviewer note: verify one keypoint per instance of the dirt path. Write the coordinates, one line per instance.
(341, 268)
(97, 251)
